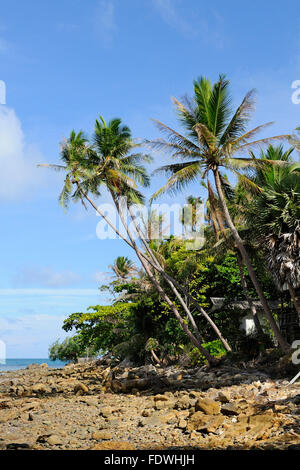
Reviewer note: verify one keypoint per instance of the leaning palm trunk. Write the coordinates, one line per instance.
(162, 293)
(155, 358)
(220, 224)
(211, 360)
(282, 342)
(159, 269)
(172, 284)
(247, 295)
(146, 263)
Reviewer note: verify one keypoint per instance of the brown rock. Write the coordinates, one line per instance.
(114, 445)
(80, 388)
(39, 388)
(102, 436)
(160, 405)
(201, 422)
(260, 425)
(224, 397)
(161, 398)
(54, 440)
(230, 409)
(207, 406)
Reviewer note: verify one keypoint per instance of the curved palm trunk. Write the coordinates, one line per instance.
(247, 295)
(172, 284)
(217, 220)
(155, 358)
(295, 299)
(239, 242)
(147, 260)
(159, 267)
(161, 292)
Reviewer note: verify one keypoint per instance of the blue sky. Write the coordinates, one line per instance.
(66, 61)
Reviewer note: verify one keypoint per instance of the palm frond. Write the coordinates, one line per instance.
(181, 177)
(240, 119)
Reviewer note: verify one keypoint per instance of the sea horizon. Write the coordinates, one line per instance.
(21, 363)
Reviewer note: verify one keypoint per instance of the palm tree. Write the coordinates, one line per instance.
(107, 163)
(123, 268)
(119, 172)
(274, 216)
(214, 135)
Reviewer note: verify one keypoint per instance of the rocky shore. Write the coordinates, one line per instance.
(97, 406)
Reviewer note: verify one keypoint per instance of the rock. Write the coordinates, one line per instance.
(42, 439)
(259, 425)
(201, 422)
(81, 388)
(230, 409)
(184, 403)
(39, 388)
(160, 405)
(102, 436)
(182, 424)
(54, 440)
(224, 397)
(90, 401)
(37, 366)
(15, 446)
(207, 406)
(114, 445)
(152, 421)
(106, 411)
(161, 398)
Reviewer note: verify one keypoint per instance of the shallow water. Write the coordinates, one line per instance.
(16, 364)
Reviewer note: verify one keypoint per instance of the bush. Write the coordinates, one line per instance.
(215, 348)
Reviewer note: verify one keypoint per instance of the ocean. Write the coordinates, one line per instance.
(15, 364)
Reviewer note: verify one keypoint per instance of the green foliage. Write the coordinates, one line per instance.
(102, 326)
(215, 348)
(68, 350)
(132, 328)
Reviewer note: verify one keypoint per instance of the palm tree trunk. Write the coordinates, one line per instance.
(282, 342)
(147, 260)
(171, 283)
(211, 360)
(159, 267)
(155, 357)
(216, 219)
(295, 299)
(247, 294)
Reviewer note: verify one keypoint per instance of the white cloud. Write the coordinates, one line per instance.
(45, 277)
(49, 292)
(101, 277)
(169, 14)
(19, 175)
(207, 26)
(104, 21)
(31, 335)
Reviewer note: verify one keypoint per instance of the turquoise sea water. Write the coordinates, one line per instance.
(15, 364)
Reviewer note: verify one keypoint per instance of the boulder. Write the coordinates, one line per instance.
(206, 423)
(207, 406)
